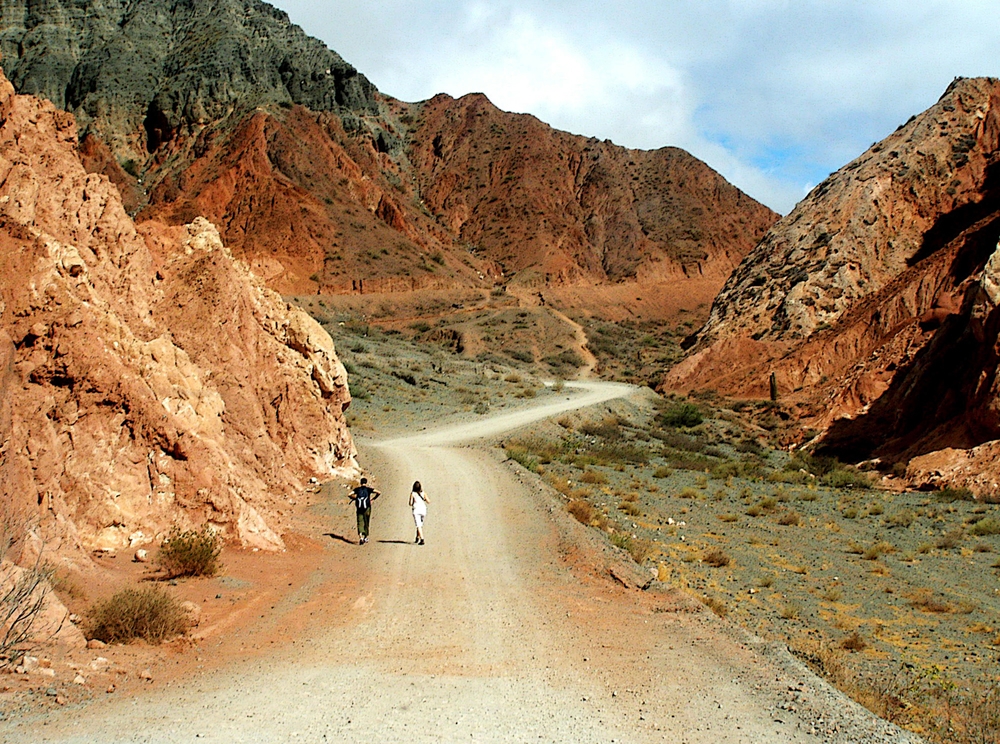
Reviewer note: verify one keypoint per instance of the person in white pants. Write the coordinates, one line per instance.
(418, 502)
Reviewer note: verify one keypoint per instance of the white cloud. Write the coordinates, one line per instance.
(774, 94)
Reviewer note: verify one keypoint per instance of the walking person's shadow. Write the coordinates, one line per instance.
(335, 536)
(349, 541)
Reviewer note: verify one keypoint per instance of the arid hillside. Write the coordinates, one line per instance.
(873, 304)
(323, 185)
(148, 379)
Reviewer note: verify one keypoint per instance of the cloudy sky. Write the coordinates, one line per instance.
(774, 94)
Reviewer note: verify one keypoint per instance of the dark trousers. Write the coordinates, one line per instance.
(364, 519)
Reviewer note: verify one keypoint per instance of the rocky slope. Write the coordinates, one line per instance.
(148, 379)
(224, 109)
(867, 301)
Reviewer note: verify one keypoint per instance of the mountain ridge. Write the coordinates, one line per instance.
(360, 199)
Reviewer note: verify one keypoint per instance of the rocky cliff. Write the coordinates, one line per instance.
(148, 379)
(870, 302)
(222, 108)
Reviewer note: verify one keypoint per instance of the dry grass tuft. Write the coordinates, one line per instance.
(716, 558)
(581, 510)
(924, 600)
(854, 642)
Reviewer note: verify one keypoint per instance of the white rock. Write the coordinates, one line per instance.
(141, 556)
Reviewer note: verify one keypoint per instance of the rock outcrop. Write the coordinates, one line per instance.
(320, 183)
(871, 303)
(148, 379)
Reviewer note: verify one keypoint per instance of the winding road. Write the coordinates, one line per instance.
(499, 629)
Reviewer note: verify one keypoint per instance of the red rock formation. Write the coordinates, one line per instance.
(469, 195)
(866, 302)
(148, 378)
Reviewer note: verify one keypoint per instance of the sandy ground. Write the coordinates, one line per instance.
(504, 627)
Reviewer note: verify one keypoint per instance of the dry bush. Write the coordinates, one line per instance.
(641, 550)
(854, 642)
(689, 493)
(23, 590)
(150, 614)
(950, 540)
(903, 518)
(582, 510)
(872, 552)
(728, 518)
(789, 612)
(789, 519)
(716, 558)
(190, 553)
(630, 508)
(593, 476)
(924, 600)
(715, 605)
(663, 472)
(833, 594)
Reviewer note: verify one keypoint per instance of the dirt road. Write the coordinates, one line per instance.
(502, 628)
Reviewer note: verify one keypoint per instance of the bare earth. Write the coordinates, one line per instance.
(504, 627)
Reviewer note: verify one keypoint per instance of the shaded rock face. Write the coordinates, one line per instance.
(225, 110)
(148, 70)
(148, 378)
(872, 303)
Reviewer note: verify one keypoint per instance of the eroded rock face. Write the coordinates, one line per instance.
(874, 302)
(148, 378)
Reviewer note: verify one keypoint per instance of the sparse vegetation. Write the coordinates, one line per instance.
(150, 614)
(23, 592)
(190, 553)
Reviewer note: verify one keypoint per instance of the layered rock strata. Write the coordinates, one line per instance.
(864, 302)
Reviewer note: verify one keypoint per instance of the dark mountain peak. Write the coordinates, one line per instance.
(137, 72)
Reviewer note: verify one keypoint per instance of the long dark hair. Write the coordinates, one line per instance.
(417, 487)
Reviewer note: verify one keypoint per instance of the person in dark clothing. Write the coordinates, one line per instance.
(363, 497)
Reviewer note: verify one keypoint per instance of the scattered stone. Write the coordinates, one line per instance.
(99, 664)
(141, 556)
(79, 680)
(146, 674)
(93, 643)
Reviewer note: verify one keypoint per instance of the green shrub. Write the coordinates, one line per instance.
(190, 553)
(949, 495)
(846, 477)
(681, 415)
(984, 527)
(150, 614)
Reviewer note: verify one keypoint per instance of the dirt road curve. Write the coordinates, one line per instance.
(495, 631)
